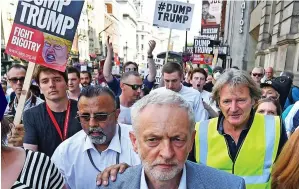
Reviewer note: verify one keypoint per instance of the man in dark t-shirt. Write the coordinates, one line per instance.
(52, 122)
(41, 131)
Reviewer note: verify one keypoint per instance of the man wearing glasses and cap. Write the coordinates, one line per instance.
(101, 143)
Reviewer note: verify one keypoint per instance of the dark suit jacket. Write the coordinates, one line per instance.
(198, 177)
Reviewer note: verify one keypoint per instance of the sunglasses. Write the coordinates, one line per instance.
(130, 69)
(270, 97)
(135, 87)
(16, 79)
(99, 117)
(257, 74)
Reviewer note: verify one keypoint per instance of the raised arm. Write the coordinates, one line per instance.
(107, 71)
(151, 64)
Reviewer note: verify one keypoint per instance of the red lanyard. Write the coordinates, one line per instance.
(66, 121)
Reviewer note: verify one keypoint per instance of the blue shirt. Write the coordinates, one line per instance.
(295, 96)
(114, 85)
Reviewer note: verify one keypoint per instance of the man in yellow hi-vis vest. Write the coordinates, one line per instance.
(239, 141)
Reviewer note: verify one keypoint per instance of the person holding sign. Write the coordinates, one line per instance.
(52, 122)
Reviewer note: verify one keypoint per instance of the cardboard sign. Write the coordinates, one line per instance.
(43, 31)
(173, 15)
(203, 46)
(211, 12)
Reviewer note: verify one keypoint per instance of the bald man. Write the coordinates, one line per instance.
(269, 72)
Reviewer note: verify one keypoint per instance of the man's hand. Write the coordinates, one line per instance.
(103, 177)
(152, 45)
(17, 135)
(109, 45)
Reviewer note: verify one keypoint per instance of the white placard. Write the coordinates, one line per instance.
(173, 15)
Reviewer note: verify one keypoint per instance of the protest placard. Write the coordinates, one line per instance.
(210, 32)
(159, 62)
(43, 31)
(173, 15)
(202, 59)
(203, 46)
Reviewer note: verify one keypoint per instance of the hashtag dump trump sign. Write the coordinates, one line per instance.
(43, 31)
(173, 15)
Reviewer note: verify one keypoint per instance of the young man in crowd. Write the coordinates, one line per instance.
(198, 80)
(85, 78)
(101, 143)
(53, 121)
(114, 83)
(73, 83)
(173, 75)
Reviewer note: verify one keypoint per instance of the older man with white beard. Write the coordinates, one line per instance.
(163, 135)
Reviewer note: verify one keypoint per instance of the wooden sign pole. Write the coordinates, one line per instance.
(25, 91)
(169, 39)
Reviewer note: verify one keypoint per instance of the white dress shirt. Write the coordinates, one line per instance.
(183, 183)
(193, 97)
(72, 159)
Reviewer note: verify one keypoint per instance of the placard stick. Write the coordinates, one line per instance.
(215, 57)
(169, 38)
(25, 91)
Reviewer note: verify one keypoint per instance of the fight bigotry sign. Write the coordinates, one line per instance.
(43, 31)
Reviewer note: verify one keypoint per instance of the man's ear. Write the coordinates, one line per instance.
(117, 111)
(134, 141)
(121, 84)
(192, 140)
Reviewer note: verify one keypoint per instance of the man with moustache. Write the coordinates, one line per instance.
(100, 144)
(85, 78)
(163, 135)
(73, 83)
(53, 121)
(131, 86)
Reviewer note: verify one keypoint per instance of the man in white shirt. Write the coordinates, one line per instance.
(131, 85)
(198, 80)
(100, 144)
(173, 75)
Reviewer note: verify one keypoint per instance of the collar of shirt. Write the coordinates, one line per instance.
(221, 119)
(114, 144)
(28, 101)
(183, 181)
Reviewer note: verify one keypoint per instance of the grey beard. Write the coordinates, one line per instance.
(97, 139)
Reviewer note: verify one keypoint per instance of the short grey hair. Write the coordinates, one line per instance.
(234, 78)
(161, 96)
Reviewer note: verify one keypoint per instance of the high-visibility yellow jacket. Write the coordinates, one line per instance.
(255, 156)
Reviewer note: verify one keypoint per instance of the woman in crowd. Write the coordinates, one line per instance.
(268, 106)
(285, 173)
(26, 169)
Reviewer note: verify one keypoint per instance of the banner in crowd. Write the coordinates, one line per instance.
(43, 31)
(211, 18)
(203, 51)
(173, 15)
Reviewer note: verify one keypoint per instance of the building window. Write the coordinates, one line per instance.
(142, 47)
(142, 57)
(142, 27)
(142, 37)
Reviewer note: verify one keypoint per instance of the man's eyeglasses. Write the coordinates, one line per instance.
(99, 117)
(16, 79)
(130, 69)
(257, 74)
(135, 87)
